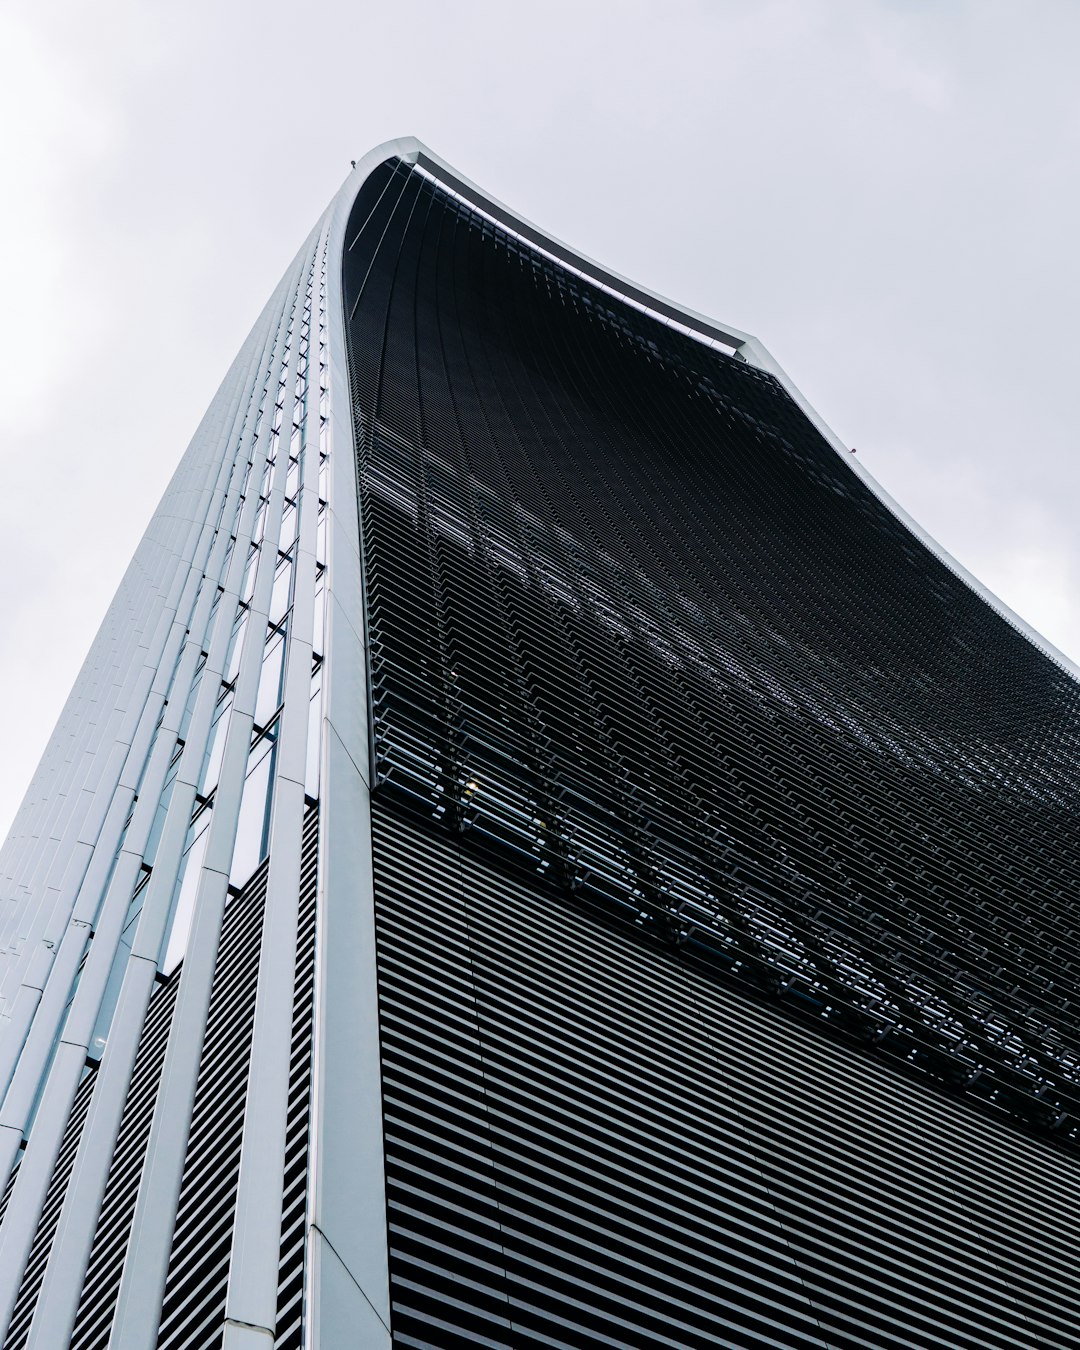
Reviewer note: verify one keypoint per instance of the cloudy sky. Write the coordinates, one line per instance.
(885, 191)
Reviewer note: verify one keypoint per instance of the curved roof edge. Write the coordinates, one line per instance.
(745, 346)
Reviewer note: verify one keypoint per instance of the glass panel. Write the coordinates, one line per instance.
(292, 479)
(187, 887)
(260, 524)
(215, 747)
(279, 599)
(150, 852)
(288, 529)
(253, 825)
(318, 632)
(268, 699)
(185, 721)
(236, 645)
(100, 1034)
(314, 736)
(247, 589)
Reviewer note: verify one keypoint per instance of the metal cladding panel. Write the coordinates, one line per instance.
(149, 1060)
(192, 1313)
(157, 894)
(192, 1310)
(591, 1140)
(640, 635)
(114, 1222)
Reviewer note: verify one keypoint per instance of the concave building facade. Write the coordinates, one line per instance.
(540, 853)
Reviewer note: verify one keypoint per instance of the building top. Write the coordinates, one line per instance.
(712, 332)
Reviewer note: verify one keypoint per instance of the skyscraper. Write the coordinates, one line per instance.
(541, 852)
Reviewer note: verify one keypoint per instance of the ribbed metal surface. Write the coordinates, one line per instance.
(764, 822)
(148, 1065)
(634, 622)
(114, 1222)
(195, 729)
(290, 1316)
(593, 1141)
(193, 1309)
(192, 1316)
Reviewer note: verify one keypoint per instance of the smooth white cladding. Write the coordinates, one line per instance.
(224, 696)
(186, 753)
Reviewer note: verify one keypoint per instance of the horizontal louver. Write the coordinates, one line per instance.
(193, 1309)
(635, 623)
(148, 1063)
(744, 843)
(593, 1141)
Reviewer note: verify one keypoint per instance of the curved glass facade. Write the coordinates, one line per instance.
(539, 853)
(644, 646)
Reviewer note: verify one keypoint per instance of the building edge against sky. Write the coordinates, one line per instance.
(221, 717)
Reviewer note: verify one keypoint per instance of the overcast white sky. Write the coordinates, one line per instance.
(884, 191)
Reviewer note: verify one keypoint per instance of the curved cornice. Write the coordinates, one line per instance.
(743, 345)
